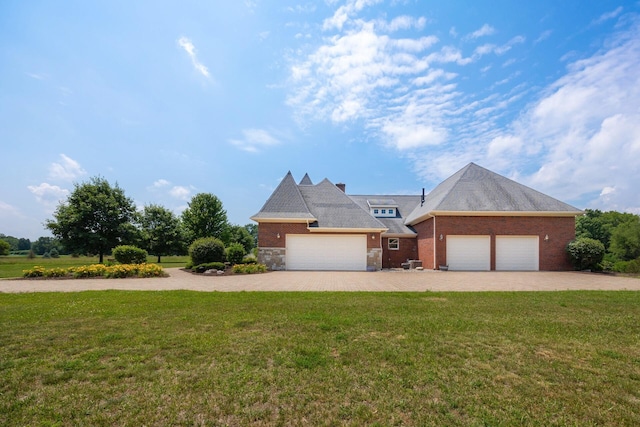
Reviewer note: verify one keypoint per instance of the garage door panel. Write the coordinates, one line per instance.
(517, 253)
(469, 252)
(326, 252)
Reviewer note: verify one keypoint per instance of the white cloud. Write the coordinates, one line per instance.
(586, 130)
(255, 140)
(161, 183)
(607, 16)
(188, 47)
(343, 13)
(48, 195)
(67, 170)
(485, 30)
(180, 192)
(543, 36)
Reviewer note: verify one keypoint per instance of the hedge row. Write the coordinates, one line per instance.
(97, 270)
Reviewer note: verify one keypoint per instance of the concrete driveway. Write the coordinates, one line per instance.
(303, 281)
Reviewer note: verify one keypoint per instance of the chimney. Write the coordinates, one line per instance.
(342, 186)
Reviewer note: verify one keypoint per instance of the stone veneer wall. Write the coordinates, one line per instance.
(374, 259)
(273, 258)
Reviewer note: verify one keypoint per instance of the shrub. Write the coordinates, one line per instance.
(127, 254)
(209, 266)
(46, 255)
(235, 253)
(54, 253)
(249, 259)
(205, 250)
(632, 267)
(36, 271)
(585, 253)
(249, 268)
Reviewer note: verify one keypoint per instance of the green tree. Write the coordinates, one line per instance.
(599, 225)
(206, 250)
(205, 217)
(625, 240)
(95, 218)
(46, 244)
(24, 244)
(239, 234)
(253, 231)
(161, 231)
(5, 247)
(12, 241)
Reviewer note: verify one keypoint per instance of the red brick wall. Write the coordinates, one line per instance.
(553, 256)
(425, 243)
(407, 249)
(268, 234)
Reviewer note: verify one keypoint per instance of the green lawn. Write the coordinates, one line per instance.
(12, 266)
(190, 358)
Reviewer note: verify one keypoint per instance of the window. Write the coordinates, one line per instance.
(394, 243)
(390, 211)
(375, 211)
(384, 211)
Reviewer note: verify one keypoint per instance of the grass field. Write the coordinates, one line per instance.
(189, 358)
(12, 266)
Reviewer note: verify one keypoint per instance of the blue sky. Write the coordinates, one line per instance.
(169, 99)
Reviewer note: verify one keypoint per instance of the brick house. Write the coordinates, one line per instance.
(474, 220)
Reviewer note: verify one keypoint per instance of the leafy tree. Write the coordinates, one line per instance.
(5, 247)
(95, 218)
(24, 244)
(585, 253)
(205, 217)
(161, 231)
(625, 240)
(46, 244)
(239, 234)
(599, 225)
(12, 241)
(253, 231)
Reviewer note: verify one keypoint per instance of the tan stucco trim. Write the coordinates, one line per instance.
(284, 220)
(506, 213)
(495, 213)
(346, 230)
(400, 235)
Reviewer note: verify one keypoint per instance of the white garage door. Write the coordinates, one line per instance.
(469, 252)
(517, 253)
(327, 252)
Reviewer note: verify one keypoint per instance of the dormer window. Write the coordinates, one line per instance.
(383, 208)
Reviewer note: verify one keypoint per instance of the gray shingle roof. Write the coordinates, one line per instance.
(306, 180)
(476, 189)
(286, 202)
(334, 209)
(405, 205)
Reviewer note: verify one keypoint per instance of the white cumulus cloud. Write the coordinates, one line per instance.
(255, 140)
(66, 170)
(187, 45)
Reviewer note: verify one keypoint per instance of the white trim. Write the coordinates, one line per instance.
(397, 239)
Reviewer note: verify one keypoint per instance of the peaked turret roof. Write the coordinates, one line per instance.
(286, 202)
(306, 180)
(476, 189)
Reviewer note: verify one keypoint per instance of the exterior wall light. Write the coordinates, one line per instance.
(441, 237)
(546, 237)
(373, 237)
(278, 235)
